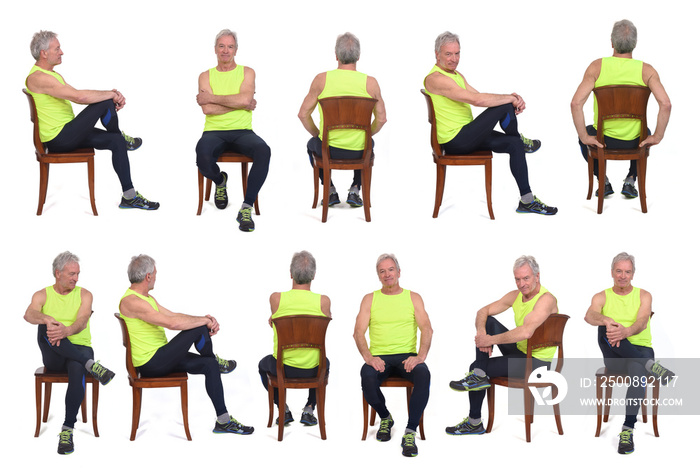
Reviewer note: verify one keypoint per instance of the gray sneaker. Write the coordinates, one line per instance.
(465, 428)
(471, 382)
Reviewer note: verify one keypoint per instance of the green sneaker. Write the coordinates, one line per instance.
(626, 445)
(100, 373)
(408, 444)
(65, 442)
(225, 366)
(664, 374)
(245, 220)
(530, 145)
(132, 143)
(221, 197)
(384, 432)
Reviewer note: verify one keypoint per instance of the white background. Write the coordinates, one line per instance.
(153, 52)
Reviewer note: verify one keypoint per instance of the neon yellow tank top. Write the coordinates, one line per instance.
(341, 82)
(624, 310)
(450, 115)
(51, 112)
(146, 338)
(298, 302)
(228, 83)
(521, 309)
(619, 71)
(64, 308)
(392, 324)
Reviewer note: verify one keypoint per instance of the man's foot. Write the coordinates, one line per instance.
(245, 220)
(333, 199)
(471, 382)
(221, 197)
(665, 375)
(536, 207)
(138, 202)
(354, 199)
(132, 143)
(626, 445)
(629, 191)
(465, 428)
(65, 442)
(288, 418)
(232, 427)
(225, 366)
(100, 373)
(384, 432)
(408, 444)
(308, 418)
(608, 190)
(530, 145)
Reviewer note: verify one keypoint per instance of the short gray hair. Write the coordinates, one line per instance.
(60, 261)
(226, 32)
(139, 267)
(624, 36)
(623, 257)
(40, 42)
(303, 267)
(445, 38)
(527, 260)
(347, 48)
(388, 256)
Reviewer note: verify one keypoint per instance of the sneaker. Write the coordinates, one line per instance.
(65, 442)
(221, 197)
(626, 445)
(536, 207)
(664, 374)
(138, 202)
(225, 366)
(232, 427)
(354, 199)
(245, 220)
(384, 432)
(132, 143)
(608, 190)
(288, 418)
(629, 191)
(100, 373)
(308, 418)
(408, 443)
(530, 145)
(471, 382)
(333, 199)
(465, 428)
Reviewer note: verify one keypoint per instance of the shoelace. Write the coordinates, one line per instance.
(409, 440)
(223, 363)
(384, 425)
(626, 437)
(65, 436)
(128, 139)
(98, 369)
(220, 192)
(245, 215)
(527, 141)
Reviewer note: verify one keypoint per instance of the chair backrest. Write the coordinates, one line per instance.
(437, 150)
(302, 331)
(622, 101)
(133, 374)
(348, 112)
(38, 145)
(549, 334)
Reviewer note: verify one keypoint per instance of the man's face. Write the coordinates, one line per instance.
(225, 49)
(53, 53)
(622, 274)
(387, 272)
(448, 57)
(526, 280)
(67, 278)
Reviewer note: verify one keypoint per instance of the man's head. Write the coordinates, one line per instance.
(142, 266)
(66, 269)
(303, 267)
(347, 48)
(46, 42)
(527, 274)
(447, 51)
(624, 37)
(226, 45)
(622, 269)
(388, 269)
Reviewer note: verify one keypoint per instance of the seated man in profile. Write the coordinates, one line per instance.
(393, 315)
(619, 69)
(622, 315)
(532, 304)
(345, 80)
(299, 362)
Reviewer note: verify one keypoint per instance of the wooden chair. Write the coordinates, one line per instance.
(299, 331)
(172, 380)
(226, 157)
(549, 334)
(477, 158)
(345, 113)
(44, 157)
(390, 382)
(619, 101)
(48, 378)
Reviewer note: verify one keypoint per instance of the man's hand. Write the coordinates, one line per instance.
(212, 325)
(483, 342)
(519, 104)
(119, 100)
(411, 362)
(615, 333)
(650, 141)
(589, 140)
(56, 331)
(376, 363)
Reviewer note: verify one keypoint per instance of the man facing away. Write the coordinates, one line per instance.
(61, 131)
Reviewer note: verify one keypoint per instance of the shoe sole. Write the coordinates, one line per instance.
(531, 212)
(466, 433)
(462, 388)
(629, 196)
(230, 432)
(308, 424)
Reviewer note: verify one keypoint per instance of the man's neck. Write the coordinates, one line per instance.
(140, 288)
(347, 67)
(60, 291)
(626, 55)
(391, 290)
(226, 66)
(301, 287)
(449, 71)
(44, 65)
(622, 291)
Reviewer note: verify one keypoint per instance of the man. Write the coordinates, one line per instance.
(299, 362)
(621, 133)
(61, 131)
(459, 133)
(62, 312)
(152, 353)
(531, 304)
(226, 95)
(343, 81)
(392, 315)
(622, 315)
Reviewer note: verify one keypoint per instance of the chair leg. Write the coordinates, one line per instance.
(95, 401)
(43, 185)
(316, 179)
(655, 409)
(326, 194)
(590, 176)
(207, 194)
(37, 383)
(557, 413)
(487, 174)
(200, 185)
(321, 405)
(599, 407)
(91, 184)
(271, 403)
(365, 416)
(439, 188)
(365, 194)
(642, 175)
(644, 407)
(47, 401)
(608, 395)
(601, 182)
(136, 413)
(185, 414)
(528, 403)
(491, 401)
(281, 410)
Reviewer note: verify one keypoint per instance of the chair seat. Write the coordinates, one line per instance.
(168, 380)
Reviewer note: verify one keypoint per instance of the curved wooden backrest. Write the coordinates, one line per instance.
(302, 331)
(38, 145)
(622, 101)
(549, 334)
(347, 112)
(437, 150)
(127, 344)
